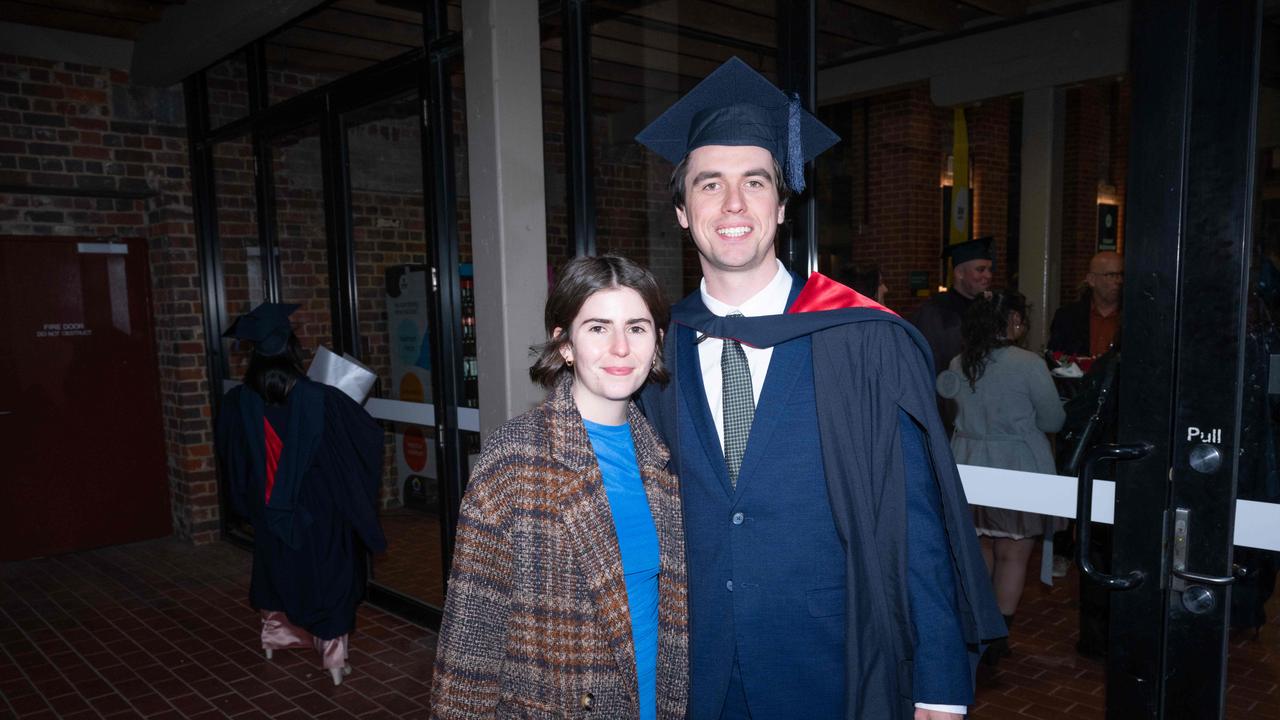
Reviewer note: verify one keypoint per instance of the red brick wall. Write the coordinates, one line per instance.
(82, 128)
(909, 139)
(1095, 153)
(904, 203)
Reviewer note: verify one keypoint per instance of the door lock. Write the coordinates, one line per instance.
(1196, 598)
(1205, 458)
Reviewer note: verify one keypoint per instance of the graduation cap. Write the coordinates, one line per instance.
(267, 326)
(979, 249)
(735, 105)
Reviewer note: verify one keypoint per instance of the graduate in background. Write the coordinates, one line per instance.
(303, 462)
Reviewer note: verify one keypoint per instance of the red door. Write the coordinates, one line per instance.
(82, 459)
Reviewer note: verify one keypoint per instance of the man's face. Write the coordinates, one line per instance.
(1106, 277)
(972, 278)
(731, 208)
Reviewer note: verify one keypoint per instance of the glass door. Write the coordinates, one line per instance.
(394, 300)
(1195, 418)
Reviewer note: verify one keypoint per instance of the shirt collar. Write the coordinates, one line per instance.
(770, 300)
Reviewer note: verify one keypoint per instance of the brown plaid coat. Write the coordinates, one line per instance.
(537, 624)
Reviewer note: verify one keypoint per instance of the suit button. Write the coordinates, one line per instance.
(587, 701)
(737, 518)
(729, 586)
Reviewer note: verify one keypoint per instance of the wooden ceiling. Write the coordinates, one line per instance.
(110, 18)
(642, 50)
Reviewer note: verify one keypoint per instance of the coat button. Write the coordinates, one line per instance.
(587, 701)
(738, 518)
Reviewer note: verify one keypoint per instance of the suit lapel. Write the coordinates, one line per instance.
(784, 370)
(694, 397)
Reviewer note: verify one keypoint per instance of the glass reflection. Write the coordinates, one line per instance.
(395, 290)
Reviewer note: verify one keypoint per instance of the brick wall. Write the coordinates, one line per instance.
(904, 202)
(909, 139)
(1095, 154)
(87, 130)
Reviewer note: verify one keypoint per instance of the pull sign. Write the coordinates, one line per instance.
(1212, 435)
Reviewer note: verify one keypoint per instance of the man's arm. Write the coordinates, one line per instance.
(942, 680)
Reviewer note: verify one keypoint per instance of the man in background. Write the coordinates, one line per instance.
(1088, 326)
(939, 317)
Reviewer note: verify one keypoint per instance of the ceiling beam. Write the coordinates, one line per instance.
(65, 46)
(929, 14)
(1003, 8)
(62, 19)
(854, 23)
(139, 11)
(341, 45)
(192, 36)
(341, 22)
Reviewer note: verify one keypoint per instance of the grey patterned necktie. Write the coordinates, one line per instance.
(737, 403)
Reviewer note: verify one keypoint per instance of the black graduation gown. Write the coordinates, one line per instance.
(311, 544)
(868, 364)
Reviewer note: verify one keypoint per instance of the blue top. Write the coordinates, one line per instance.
(638, 542)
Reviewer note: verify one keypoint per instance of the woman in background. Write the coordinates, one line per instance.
(304, 464)
(1006, 403)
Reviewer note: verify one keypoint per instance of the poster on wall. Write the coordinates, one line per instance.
(408, 314)
(1108, 217)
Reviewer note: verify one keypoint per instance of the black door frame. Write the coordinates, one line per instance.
(426, 71)
(1194, 68)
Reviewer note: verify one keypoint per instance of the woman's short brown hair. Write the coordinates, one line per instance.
(580, 279)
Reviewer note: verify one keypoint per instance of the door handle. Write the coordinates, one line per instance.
(1084, 513)
(1181, 531)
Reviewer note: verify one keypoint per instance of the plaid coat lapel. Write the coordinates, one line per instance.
(584, 510)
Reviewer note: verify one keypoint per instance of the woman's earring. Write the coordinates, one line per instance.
(568, 361)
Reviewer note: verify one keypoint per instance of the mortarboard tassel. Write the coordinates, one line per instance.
(795, 154)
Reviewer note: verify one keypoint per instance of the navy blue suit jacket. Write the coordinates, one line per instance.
(851, 595)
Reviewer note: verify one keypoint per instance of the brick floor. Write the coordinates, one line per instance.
(1045, 678)
(162, 630)
(412, 563)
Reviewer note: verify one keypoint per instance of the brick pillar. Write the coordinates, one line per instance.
(904, 200)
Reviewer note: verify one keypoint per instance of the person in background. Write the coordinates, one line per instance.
(1006, 402)
(939, 317)
(567, 593)
(304, 465)
(1087, 327)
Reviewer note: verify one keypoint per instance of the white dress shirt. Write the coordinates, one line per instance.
(771, 300)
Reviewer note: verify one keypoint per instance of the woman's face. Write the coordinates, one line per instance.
(611, 349)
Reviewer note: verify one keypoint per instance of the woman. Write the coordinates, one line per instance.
(1006, 403)
(303, 463)
(567, 593)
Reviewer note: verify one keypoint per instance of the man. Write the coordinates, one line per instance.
(1088, 326)
(833, 570)
(939, 317)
